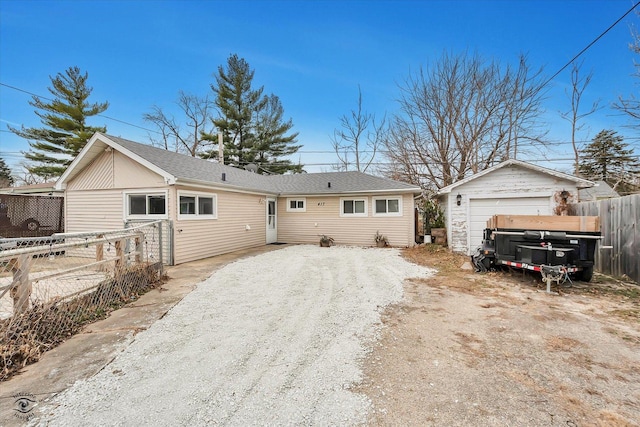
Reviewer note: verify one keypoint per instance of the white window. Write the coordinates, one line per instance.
(297, 205)
(146, 205)
(197, 205)
(391, 206)
(353, 207)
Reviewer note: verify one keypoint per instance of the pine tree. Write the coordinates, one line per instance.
(251, 124)
(271, 142)
(607, 158)
(54, 146)
(6, 180)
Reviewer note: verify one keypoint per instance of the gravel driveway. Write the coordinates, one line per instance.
(274, 339)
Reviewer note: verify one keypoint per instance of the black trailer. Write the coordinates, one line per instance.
(556, 255)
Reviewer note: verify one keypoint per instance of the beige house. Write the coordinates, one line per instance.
(211, 209)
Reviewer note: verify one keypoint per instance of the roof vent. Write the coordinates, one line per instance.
(328, 184)
(224, 176)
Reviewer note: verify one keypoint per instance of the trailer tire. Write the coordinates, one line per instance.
(31, 225)
(586, 274)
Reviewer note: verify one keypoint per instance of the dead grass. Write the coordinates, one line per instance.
(452, 276)
(462, 344)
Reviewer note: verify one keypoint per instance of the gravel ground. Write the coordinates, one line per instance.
(274, 339)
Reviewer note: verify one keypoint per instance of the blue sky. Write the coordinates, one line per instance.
(312, 54)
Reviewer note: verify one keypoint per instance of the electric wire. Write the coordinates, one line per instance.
(98, 115)
(591, 44)
(381, 151)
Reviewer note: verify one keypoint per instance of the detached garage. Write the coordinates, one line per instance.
(511, 188)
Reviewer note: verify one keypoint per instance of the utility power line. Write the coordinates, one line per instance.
(591, 44)
(98, 115)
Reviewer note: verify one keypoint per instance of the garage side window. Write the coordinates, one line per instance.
(391, 206)
(353, 207)
(146, 205)
(197, 205)
(297, 205)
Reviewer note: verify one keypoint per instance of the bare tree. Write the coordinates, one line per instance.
(182, 135)
(631, 105)
(574, 116)
(359, 138)
(24, 176)
(461, 116)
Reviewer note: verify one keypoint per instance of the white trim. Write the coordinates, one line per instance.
(271, 234)
(398, 198)
(297, 199)
(196, 216)
(354, 215)
(144, 192)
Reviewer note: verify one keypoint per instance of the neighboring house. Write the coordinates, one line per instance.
(47, 188)
(214, 209)
(512, 187)
(600, 190)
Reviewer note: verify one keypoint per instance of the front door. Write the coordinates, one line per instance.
(272, 226)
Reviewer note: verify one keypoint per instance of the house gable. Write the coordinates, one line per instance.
(579, 182)
(111, 170)
(517, 181)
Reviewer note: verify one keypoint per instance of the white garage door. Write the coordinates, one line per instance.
(483, 209)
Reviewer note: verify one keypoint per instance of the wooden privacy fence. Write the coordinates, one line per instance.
(619, 251)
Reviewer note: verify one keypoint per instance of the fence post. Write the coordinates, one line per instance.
(100, 252)
(119, 264)
(160, 247)
(138, 241)
(21, 285)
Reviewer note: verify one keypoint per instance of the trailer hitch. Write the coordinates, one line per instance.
(553, 273)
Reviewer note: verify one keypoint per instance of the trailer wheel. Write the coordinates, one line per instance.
(31, 225)
(585, 274)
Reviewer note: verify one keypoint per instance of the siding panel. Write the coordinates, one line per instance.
(195, 239)
(93, 210)
(322, 216)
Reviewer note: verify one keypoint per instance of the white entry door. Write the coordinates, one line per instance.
(272, 224)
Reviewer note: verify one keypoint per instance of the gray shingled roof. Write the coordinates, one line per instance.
(601, 190)
(336, 182)
(189, 168)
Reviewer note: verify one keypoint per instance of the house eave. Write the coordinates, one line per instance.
(346, 193)
(222, 186)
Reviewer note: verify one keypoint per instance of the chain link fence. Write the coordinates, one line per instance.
(51, 286)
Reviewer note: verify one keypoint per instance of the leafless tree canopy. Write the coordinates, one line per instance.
(630, 105)
(358, 139)
(462, 115)
(182, 134)
(574, 115)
